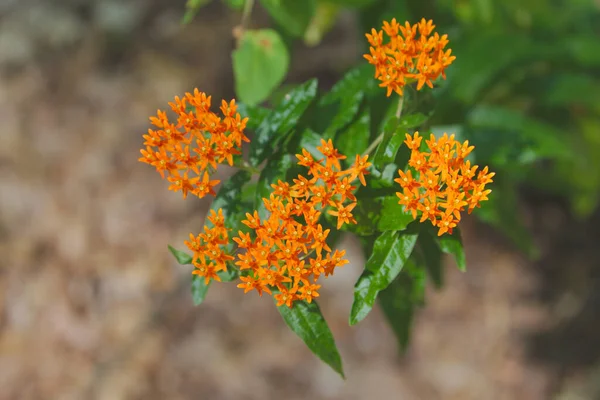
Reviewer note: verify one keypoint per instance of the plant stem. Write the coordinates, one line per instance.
(380, 137)
(247, 167)
(246, 12)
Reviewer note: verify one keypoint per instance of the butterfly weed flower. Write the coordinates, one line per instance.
(188, 150)
(285, 253)
(409, 53)
(440, 183)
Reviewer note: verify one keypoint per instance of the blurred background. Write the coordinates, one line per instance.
(94, 307)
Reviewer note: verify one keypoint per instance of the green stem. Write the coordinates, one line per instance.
(380, 137)
(246, 13)
(247, 167)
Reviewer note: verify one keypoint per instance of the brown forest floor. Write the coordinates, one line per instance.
(93, 306)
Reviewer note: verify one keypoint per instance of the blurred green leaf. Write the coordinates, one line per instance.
(390, 252)
(281, 121)
(192, 8)
(321, 23)
(502, 212)
(309, 324)
(276, 169)
(432, 256)
(294, 16)
(573, 89)
(452, 244)
(583, 49)
(353, 3)
(545, 140)
(484, 58)
(234, 4)
(259, 65)
(394, 217)
(399, 300)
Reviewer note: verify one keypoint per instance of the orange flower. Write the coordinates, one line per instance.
(196, 143)
(406, 58)
(446, 183)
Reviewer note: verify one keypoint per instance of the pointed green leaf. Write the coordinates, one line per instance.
(348, 92)
(294, 16)
(354, 139)
(394, 216)
(411, 121)
(281, 121)
(230, 200)
(259, 65)
(234, 4)
(432, 256)
(390, 253)
(276, 169)
(388, 148)
(452, 244)
(192, 8)
(182, 257)
(255, 115)
(309, 324)
(399, 300)
(199, 289)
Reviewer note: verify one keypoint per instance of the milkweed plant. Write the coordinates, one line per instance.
(319, 163)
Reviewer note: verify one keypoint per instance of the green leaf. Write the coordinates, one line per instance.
(255, 114)
(432, 256)
(354, 139)
(199, 289)
(276, 169)
(234, 4)
(484, 58)
(294, 16)
(388, 148)
(394, 216)
(502, 212)
(544, 139)
(229, 199)
(322, 22)
(411, 121)
(390, 252)
(192, 8)
(182, 257)
(348, 92)
(452, 244)
(367, 213)
(309, 324)
(259, 65)
(353, 3)
(399, 300)
(281, 121)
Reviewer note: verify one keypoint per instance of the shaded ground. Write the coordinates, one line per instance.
(93, 306)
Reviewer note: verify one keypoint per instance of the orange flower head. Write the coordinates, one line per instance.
(411, 53)
(444, 183)
(189, 150)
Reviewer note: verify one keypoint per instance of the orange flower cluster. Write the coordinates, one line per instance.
(209, 255)
(289, 251)
(406, 58)
(444, 183)
(196, 143)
